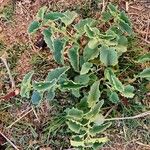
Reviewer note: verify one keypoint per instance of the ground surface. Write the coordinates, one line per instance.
(31, 132)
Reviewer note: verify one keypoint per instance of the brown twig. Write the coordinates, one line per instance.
(8, 140)
(143, 145)
(35, 114)
(104, 6)
(148, 42)
(131, 117)
(127, 6)
(110, 110)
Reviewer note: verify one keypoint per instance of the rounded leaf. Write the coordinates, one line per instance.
(34, 26)
(114, 98)
(128, 91)
(108, 56)
(85, 68)
(94, 94)
(36, 98)
(93, 43)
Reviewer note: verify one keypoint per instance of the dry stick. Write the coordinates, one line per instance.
(8, 70)
(35, 114)
(127, 6)
(104, 6)
(147, 33)
(132, 117)
(19, 118)
(8, 140)
(139, 143)
(110, 110)
(146, 41)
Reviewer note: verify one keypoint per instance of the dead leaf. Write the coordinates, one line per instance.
(10, 94)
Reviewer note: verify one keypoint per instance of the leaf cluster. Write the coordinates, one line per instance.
(88, 52)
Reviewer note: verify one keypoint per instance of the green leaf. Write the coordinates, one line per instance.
(97, 146)
(47, 33)
(96, 129)
(85, 68)
(26, 85)
(76, 92)
(58, 50)
(116, 30)
(113, 9)
(144, 58)
(75, 114)
(125, 27)
(89, 31)
(69, 17)
(92, 114)
(83, 105)
(108, 73)
(111, 43)
(43, 86)
(53, 16)
(41, 12)
(63, 78)
(125, 18)
(122, 44)
(117, 84)
(27, 78)
(98, 119)
(106, 16)
(108, 56)
(93, 43)
(73, 54)
(80, 26)
(33, 27)
(110, 35)
(70, 85)
(74, 126)
(93, 78)
(77, 143)
(36, 97)
(94, 94)
(96, 140)
(82, 79)
(51, 93)
(128, 91)
(145, 73)
(113, 97)
(57, 73)
(90, 54)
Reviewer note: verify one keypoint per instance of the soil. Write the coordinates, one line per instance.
(14, 31)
